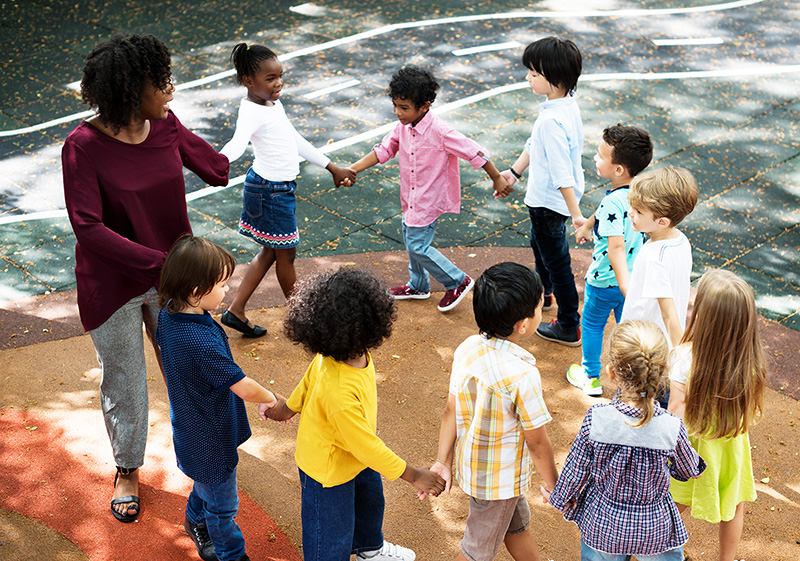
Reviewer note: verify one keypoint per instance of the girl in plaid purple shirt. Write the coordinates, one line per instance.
(615, 481)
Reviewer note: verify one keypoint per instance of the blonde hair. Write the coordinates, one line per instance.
(666, 192)
(728, 374)
(638, 354)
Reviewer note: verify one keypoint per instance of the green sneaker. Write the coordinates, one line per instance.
(578, 378)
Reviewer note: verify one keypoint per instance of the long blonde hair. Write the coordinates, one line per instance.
(638, 354)
(725, 390)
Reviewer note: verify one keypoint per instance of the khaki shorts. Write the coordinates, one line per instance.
(489, 522)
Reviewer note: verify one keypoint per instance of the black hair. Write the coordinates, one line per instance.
(413, 83)
(340, 314)
(192, 267)
(558, 60)
(247, 59)
(117, 72)
(505, 294)
(632, 147)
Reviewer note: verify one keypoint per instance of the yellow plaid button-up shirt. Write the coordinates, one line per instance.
(498, 396)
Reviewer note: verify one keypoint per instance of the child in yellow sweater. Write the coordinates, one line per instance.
(340, 316)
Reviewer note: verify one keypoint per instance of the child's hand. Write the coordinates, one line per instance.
(509, 177)
(578, 221)
(341, 176)
(502, 188)
(445, 472)
(545, 494)
(424, 480)
(583, 234)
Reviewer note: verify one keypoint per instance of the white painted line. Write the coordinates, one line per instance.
(332, 89)
(427, 23)
(487, 48)
(444, 108)
(688, 42)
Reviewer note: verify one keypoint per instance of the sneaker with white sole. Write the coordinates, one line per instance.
(577, 376)
(547, 304)
(405, 292)
(455, 295)
(389, 552)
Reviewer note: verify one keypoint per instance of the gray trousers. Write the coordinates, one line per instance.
(119, 344)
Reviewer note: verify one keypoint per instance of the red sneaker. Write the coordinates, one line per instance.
(453, 296)
(405, 292)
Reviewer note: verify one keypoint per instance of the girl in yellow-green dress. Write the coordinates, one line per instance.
(718, 376)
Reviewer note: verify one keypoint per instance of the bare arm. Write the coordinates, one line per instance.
(619, 262)
(584, 233)
(670, 316)
(250, 390)
(572, 204)
(677, 399)
(366, 162)
(519, 166)
(501, 186)
(541, 450)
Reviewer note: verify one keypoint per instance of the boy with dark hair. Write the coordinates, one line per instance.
(430, 183)
(495, 410)
(555, 181)
(622, 153)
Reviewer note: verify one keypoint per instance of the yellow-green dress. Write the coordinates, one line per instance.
(728, 479)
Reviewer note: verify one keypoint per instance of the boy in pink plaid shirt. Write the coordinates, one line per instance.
(430, 183)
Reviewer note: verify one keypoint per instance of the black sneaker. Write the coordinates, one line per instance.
(201, 539)
(548, 303)
(553, 332)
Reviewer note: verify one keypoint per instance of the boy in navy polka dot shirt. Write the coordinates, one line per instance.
(207, 391)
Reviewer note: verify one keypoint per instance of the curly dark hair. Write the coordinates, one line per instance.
(340, 314)
(116, 73)
(414, 84)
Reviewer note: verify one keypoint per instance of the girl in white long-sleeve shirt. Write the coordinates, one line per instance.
(268, 216)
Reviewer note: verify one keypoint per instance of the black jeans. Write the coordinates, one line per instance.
(554, 264)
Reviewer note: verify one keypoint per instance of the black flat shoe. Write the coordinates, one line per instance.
(235, 323)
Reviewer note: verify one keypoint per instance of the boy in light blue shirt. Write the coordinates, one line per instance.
(622, 153)
(555, 181)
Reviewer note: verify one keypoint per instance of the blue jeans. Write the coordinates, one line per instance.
(342, 520)
(597, 304)
(216, 504)
(554, 264)
(424, 259)
(589, 554)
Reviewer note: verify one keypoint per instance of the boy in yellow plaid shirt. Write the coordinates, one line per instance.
(495, 417)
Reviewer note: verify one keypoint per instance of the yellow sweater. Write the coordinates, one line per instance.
(336, 437)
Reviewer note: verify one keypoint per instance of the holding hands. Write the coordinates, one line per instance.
(277, 411)
(341, 176)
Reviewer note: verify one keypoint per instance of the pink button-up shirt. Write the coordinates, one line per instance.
(430, 183)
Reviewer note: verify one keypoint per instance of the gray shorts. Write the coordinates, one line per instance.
(488, 524)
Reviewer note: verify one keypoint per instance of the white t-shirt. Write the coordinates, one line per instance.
(661, 270)
(277, 146)
(680, 362)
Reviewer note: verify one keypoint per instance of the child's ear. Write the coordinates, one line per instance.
(664, 222)
(247, 81)
(426, 106)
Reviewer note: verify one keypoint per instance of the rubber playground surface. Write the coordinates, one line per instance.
(716, 85)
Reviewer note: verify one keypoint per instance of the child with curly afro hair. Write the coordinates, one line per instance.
(340, 316)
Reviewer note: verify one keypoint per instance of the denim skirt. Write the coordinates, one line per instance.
(268, 212)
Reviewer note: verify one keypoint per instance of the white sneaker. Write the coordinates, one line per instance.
(576, 376)
(389, 552)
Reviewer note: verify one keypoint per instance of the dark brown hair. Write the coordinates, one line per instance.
(192, 267)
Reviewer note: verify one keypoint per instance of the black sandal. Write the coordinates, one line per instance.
(235, 323)
(122, 500)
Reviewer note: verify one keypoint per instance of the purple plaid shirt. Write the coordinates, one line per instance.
(619, 477)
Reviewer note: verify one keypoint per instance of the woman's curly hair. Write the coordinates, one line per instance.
(340, 314)
(116, 73)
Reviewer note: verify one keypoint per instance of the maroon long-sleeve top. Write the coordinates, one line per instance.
(127, 206)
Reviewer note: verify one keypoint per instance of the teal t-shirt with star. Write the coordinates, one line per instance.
(611, 219)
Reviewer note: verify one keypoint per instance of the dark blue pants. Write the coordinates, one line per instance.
(554, 264)
(342, 520)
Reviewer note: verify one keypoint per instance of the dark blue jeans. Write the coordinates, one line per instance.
(216, 504)
(554, 264)
(342, 520)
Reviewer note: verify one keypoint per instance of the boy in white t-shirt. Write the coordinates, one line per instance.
(659, 283)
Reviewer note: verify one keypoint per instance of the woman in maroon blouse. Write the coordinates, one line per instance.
(125, 195)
